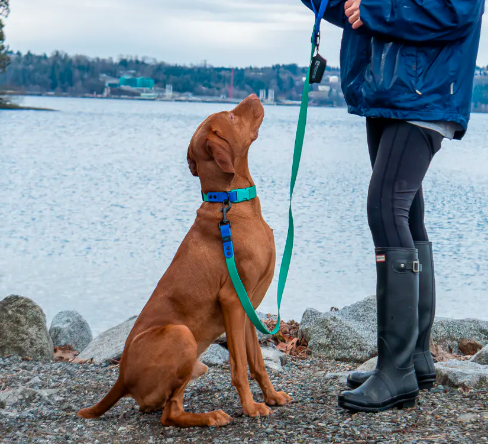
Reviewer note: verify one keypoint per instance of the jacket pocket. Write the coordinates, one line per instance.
(392, 75)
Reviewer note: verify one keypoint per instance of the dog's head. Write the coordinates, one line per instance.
(219, 147)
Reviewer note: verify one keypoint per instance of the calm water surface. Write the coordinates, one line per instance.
(96, 198)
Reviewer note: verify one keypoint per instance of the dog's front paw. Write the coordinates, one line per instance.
(256, 409)
(278, 398)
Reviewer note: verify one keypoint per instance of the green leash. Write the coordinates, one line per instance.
(225, 224)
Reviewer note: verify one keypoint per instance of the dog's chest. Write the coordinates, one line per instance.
(254, 243)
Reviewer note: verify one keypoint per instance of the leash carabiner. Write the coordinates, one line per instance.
(226, 207)
(316, 40)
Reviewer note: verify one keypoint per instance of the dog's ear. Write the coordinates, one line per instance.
(192, 165)
(221, 152)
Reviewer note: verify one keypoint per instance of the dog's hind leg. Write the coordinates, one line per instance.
(175, 415)
(258, 369)
(159, 364)
(112, 397)
(158, 361)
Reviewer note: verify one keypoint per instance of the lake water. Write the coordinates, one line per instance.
(96, 198)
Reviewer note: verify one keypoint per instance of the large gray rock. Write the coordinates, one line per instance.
(345, 335)
(448, 332)
(481, 357)
(23, 330)
(215, 355)
(70, 328)
(462, 374)
(273, 358)
(350, 334)
(110, 344)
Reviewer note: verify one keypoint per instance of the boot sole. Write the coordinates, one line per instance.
(408, 400)
(424, 384)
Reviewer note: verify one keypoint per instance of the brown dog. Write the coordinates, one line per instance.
(195, 301)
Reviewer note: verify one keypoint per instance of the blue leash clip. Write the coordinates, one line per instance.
(227, 240)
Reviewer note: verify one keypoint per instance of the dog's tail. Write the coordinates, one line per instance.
(116, 392)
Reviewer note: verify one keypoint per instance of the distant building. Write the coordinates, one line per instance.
(129, 85)
(137, 82)
(271, 96)
(267, 96)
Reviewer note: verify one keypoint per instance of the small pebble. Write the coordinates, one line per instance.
(467, 417)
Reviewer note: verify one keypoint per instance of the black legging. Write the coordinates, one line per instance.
(400, 155)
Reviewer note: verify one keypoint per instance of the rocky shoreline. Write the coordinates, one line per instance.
(44, 382)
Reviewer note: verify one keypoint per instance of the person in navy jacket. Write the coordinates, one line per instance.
(408, 67)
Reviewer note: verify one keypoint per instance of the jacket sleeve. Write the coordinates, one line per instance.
(333, 14)
(422, 20)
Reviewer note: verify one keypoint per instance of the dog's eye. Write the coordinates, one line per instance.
(232, 117)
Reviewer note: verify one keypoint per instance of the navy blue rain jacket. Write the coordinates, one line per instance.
(411, 60)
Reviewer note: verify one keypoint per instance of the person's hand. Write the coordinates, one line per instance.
(352, 12)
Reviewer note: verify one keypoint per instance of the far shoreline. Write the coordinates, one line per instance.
(193, 99)
(15, 107)
(196, 99)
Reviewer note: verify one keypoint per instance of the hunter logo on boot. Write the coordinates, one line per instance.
(381, 258)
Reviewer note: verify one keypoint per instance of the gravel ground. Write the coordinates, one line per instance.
(442, 416)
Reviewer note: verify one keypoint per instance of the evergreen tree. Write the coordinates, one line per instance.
(4, 58)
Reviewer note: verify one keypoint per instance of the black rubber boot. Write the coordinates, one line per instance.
(422, 358)
(393, 383)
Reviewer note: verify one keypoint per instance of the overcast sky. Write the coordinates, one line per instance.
(223, 32)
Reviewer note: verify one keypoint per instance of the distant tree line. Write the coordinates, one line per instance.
(4, 58)
(78, 75)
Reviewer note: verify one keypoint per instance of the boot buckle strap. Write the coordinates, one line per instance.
(413, 266)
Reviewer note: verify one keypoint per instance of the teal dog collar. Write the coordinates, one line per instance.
(233, 196)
